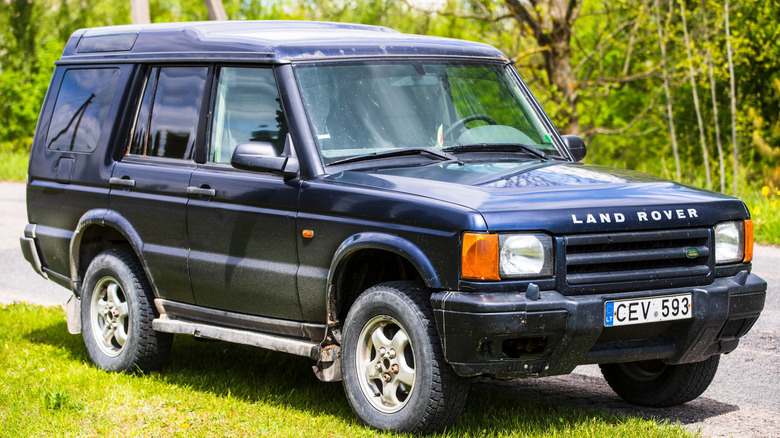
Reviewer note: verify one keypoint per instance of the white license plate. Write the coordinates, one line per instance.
(644, 310)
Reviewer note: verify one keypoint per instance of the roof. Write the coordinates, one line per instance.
(279, 41)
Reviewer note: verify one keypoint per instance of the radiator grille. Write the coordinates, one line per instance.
(637, 256)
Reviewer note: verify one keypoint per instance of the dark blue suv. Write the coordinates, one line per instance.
(396, 207)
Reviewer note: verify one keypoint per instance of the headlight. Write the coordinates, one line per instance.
(506, 256)
(525, 255)
(733, 242)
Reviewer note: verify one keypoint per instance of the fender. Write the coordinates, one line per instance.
(387, 242)
(105, 218)
(328, 368)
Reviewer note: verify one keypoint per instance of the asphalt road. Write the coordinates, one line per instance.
(743, 400)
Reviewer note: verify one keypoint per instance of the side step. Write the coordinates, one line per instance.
(262, 340)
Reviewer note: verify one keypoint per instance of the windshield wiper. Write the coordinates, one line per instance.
(394, 153)
(498, 147)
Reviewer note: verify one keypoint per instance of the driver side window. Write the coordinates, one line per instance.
(246, 108)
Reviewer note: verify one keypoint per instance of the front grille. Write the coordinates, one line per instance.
(634, 257)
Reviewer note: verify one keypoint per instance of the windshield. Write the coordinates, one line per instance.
(370, 108)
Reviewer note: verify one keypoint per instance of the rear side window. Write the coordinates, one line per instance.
(81, 109)
(167, 121)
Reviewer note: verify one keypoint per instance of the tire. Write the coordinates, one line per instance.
(117, 309)
(395, 375)
(655, 384)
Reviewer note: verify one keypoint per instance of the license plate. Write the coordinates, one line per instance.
(644, 310)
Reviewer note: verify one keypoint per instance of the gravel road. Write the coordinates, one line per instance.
(744, 399)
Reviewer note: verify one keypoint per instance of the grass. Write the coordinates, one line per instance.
(13, 165)
(49, 388)
(765, 211)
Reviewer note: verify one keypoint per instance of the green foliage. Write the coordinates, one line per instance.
(615, 62)
(55, 399)
(37, 33)
(764, 208)
(13, 165)
(48, 388)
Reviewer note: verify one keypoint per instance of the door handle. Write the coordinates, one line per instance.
(201, 191)
(127, 182)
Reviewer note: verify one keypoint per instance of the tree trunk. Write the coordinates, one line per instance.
(672, 133)
(216, 10)
(705, 153)
(721, 160)
(553, 33)
(734, 148)
(715, 107)
(139, 12)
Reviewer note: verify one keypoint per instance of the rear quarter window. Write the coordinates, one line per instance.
(81, 109)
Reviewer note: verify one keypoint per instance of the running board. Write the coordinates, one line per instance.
(262, 340)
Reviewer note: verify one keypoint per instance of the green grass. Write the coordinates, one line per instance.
(13, 166)
(49, 388)
(765, 211)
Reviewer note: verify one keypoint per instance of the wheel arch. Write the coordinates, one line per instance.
(97, 231)
(403, 259)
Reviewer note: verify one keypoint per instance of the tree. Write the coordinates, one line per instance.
(595, 65)
(733, 100)
(551, 26)
(140, 11)
(692, 76)
(667, 91)
(713, 92)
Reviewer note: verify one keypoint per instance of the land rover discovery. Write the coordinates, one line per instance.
(398, 208)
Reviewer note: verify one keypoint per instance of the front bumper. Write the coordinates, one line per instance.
(506, 335)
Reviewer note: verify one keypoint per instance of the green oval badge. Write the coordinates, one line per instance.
(692, 253)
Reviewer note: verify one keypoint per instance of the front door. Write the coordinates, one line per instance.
(241, 224)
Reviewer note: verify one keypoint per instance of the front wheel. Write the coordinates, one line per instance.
(656, 384)
(395, 375)
(117, 309)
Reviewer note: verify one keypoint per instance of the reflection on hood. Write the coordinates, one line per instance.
(522, 174)
(569, 175)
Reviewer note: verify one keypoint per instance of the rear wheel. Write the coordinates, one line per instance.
(117, 309)
(395, 376)
(656, 384)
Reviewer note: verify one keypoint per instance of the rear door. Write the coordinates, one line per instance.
(149, 184)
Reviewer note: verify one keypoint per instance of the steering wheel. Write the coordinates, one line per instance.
(460, 125)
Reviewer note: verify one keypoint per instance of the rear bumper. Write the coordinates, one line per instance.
(32, 253)
(30, 249)
(507, 335)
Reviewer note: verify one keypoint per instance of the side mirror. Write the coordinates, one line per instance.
(260, 156)
(576, 146)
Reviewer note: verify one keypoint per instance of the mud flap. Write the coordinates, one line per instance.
(73, 314)
(328, 368)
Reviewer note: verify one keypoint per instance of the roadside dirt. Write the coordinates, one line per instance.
(707, 416)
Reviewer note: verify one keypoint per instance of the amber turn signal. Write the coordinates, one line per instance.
(479, 257)
(748, 241)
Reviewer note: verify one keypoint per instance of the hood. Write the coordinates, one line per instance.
(556, 196)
